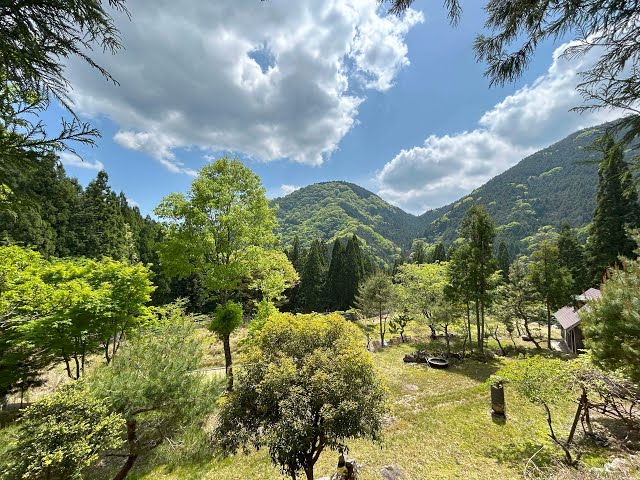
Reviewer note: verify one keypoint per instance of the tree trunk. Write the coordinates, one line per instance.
(446, 335)
(382, 330)
(227, 362)
(482, 322)
(548, 326)
(131, 459)
(480, 340)
(469, 328)
(106, 351)
(526, 329)
(308, 470)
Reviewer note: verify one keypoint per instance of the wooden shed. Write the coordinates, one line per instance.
(569, 319)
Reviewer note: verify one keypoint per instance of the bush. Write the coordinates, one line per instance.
(61, 435)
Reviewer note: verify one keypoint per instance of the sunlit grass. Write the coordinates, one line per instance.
(440, 427)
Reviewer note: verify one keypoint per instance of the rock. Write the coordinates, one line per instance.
(392, 472)
(411, 388)
(616, 465)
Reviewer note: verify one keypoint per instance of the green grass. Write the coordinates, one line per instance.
(440, 428)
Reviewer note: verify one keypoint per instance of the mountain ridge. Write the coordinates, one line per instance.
(553, 186)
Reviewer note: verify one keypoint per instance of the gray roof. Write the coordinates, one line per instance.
(568, 317)
(591, 294)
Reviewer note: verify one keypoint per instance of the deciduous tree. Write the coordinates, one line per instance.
(313, 367)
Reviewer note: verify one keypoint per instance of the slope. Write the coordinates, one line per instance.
(337, 209)
(554, 186)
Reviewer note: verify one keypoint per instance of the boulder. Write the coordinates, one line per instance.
(392, 472)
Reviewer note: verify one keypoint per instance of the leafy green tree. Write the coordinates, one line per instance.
(269, 274)
(313, 279)
(478, 231)
(420, 288)
(459, 287)
(21, 362)
(504, 260)
(545, 382)
(227, 319)
(572, 257)
(419, 252)
(398, 322)
(616, 210)
(550, 279)
(152, 384)
(81, 306)
(313, 367)
(611, 326)
(376, 297)
(439, 253)
(520, 300)
(61, 435)
(208, 230)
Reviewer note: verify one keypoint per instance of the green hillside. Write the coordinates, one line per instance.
(553, 186)
(550, 187)
(332, 210)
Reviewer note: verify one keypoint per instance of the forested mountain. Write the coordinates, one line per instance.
(554, 186)
(333, 210)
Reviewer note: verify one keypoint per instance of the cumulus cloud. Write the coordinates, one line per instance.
(447, 167)
(191, 76)
(70, 160)
(287, 189)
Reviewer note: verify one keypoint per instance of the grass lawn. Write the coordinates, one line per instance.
(440, 428)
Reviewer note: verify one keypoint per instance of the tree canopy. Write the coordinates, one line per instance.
(308, 386)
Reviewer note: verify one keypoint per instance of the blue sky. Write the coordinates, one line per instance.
(319, 91)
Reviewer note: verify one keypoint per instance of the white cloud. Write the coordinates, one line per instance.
(70, 160)
(187, 76)
(132, 203)
(287, 189)
(447, 167)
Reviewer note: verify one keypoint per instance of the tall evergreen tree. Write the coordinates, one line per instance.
(418, 252)
(102, 229)
(335, 284)
(439, 253)
(504, 260)
(572, 257)
(479, 232)
(616, 209)
(313, 278)
(550, 279)
(354, 271)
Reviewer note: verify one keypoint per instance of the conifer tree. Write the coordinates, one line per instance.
(439, 254)
(313, 278)
(336, 282)
(479, 232)
(572, 257)
(504, 260)
(354, 271)
(550, 279)
(616, 210)
(102, 230)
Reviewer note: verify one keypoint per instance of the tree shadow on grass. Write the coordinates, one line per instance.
(518, 453)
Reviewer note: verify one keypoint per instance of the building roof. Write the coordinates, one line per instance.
(591, 294)
(568, 317)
